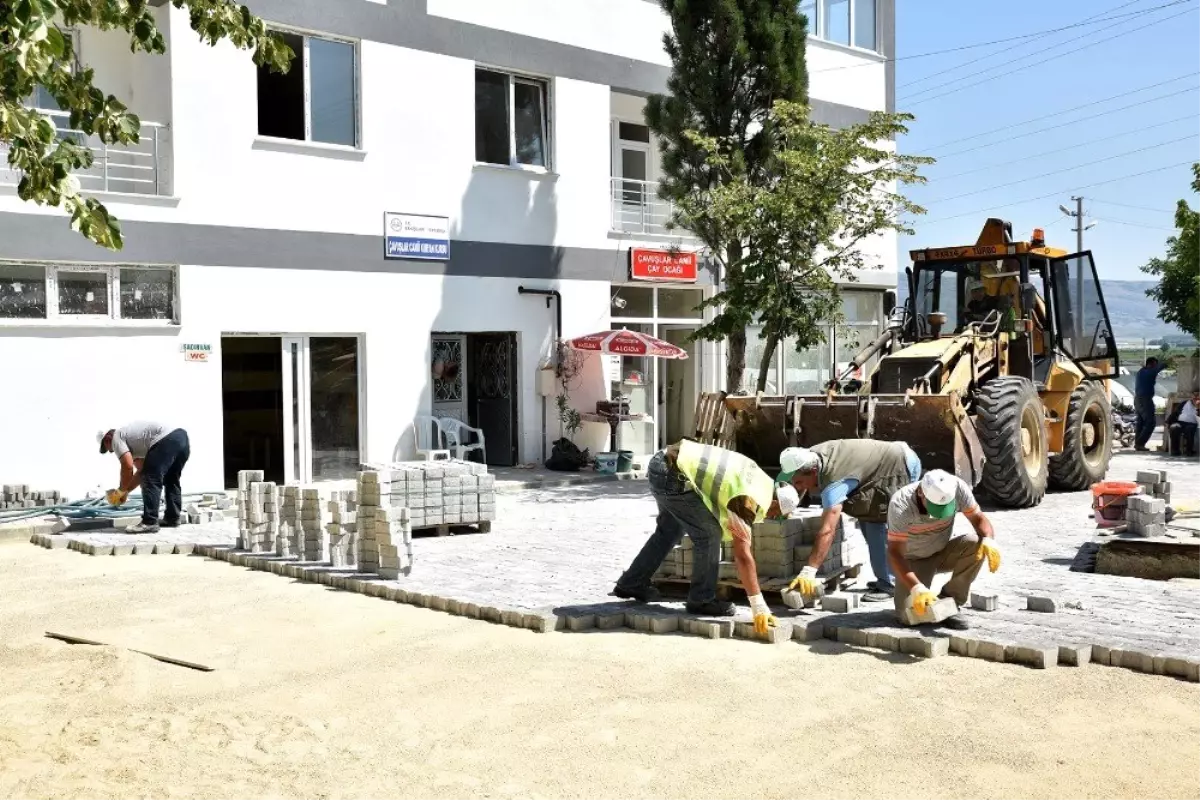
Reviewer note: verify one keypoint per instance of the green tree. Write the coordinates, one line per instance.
(730, 61)
(1178, 273)
(35, 51)
(828, 192)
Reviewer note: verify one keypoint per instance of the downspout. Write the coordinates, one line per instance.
(549, 294)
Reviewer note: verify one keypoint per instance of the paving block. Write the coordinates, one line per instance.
(610, 620)
(437, 603)
(1074, 655)
(882, 640)
(991, 651)
(664, 623)
(638, 621)
(493, 614)
(1037, 657)
(807, 630)
(1044, 604)
(1132, 659)
(941, 610)
(925, 646)
(471, 610)
(581, 622)
(543, 621)
(839, 602)
(984, 602)
(854, 636)
(792, 599)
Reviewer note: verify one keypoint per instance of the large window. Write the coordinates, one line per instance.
(87, 293)
(315, 101)
(848, 22)
(510, 120)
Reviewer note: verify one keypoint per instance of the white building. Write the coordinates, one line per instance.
(255, 302)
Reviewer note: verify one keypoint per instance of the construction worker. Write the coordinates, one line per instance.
(921, 543)
(1143, 401)
(152, 456)
(711, 494)
(858, 477)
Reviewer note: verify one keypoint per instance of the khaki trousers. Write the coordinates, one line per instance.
(957, 558)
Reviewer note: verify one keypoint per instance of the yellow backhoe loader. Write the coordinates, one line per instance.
(996, 368)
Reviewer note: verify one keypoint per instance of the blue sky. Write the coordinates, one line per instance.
(1165, 51)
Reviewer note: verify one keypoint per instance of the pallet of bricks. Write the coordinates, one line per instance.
(439, 495)
(1146, 513)
(781, 549)
(18, 495)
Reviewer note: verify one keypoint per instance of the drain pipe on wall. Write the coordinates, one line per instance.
(549, 294)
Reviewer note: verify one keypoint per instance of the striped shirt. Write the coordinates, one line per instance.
(922, 535)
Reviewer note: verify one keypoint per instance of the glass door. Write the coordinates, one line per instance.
(296, 454)
(679, 381)
(321, 415)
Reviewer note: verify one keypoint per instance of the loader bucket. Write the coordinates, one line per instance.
(934, 426)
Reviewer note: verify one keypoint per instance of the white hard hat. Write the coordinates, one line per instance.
(796, 459)
(788, 497)
(939, 489)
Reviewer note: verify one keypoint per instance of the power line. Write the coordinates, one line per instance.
(1069, 122)
(1134, 224)
(1130, 205)
(1034, 36)
(1041, 62)
(1092, 20)
(1010, 162)
(1059, 193)
(1069, 110)
(1066, 169)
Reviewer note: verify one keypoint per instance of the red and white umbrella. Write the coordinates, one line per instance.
(626, 343)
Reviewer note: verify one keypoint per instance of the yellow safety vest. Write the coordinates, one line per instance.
(719, 475)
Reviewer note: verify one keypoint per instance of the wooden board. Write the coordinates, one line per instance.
(714, 423)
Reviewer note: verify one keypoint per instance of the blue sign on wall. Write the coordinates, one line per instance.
(416, 236)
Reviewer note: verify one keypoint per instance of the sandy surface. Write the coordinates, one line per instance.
(327, 694)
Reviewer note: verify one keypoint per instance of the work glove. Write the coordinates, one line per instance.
(806, 582)
(763, 620)
(988, 548)
(116, 497)
(921, 599)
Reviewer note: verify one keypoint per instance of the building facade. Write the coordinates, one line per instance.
(315, 260)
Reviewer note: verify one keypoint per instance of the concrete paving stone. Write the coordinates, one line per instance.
(839, 602)
(1037, 657)
(854, 636)
(438, 603)
(881, 640)
(545, 621)
(1041, 603)
(1101, 655)
(991, 651)
(610, 620)
(493, 614)
(1135, 660)
(512, 617)
(144, 548)
(581, 622)
(637, 621)
(960, 645)
(122, 550)
(471, 610)
(1074, 655)
(184, 548)
(984, 602)
(664, 623)
(925, 646)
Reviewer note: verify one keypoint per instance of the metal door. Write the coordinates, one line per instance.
(492, 393)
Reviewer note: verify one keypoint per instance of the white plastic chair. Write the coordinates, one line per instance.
(456, 432)
(429, 438)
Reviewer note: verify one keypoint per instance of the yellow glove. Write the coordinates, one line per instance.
(988, 548)
(806, 582)
(763, 619)
(921, 599)
(116, 497)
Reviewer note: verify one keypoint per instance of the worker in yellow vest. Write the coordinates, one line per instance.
(711, 494)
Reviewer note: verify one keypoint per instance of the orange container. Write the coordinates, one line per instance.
(1108, 501)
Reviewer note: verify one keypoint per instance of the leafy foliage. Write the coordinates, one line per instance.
(731, 60)
(35, 50)
(1178, 291)
(802, 223)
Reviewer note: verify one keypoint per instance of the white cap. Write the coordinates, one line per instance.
(939, 487)
(796, 459)
(788, 497)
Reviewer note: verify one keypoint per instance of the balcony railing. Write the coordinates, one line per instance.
(136, 168)
(637, 208)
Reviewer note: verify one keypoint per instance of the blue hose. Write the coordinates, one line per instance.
(87, 509)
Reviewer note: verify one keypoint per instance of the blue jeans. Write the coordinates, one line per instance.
(876, 535)
(1144, 406)
(680, 511)
(162, 468)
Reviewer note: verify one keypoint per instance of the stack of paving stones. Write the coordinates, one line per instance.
(18, 495)
(781, 548)
(1146, 516)
(437, 494)
(342, 527)
(258, 513)
(1154, 483)
(385, 518)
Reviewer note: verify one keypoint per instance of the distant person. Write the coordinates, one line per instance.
(979, 305)
(152, 456)
(1183, 425)
(1143, 401)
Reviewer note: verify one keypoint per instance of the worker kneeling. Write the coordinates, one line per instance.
(152, 456)
(711, 494)
(921, 544)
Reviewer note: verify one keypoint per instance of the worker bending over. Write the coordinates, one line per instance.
(711, 494)
(152, 456)
(858, 477)
(921, 543)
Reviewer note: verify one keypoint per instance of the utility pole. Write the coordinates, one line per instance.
(1080, 227)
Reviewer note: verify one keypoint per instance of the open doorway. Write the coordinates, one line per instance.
(679, 381)
(474, 379)
(252, 406)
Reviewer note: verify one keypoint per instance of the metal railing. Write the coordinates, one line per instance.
(637, 208)
(135, 168)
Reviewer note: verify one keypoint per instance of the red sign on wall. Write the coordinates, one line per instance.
(662, 265)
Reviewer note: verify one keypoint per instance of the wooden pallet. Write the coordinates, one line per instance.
(731, 589)
(714, 422)
(453, 527)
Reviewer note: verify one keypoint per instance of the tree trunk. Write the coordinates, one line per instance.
(735, 344)
(764, 366)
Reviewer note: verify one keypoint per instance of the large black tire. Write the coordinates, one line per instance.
(1011, 424)
(1087, 440)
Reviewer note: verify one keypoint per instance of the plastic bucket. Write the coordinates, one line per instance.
(606, 463)
(1108, 501)
(624, 461)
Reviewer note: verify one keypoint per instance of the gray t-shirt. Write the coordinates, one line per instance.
(922, 535)
(137, 438)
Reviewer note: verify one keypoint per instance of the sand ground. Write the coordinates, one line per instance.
(327, 694)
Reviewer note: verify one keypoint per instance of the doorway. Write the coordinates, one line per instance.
(291, 407)
(474, 379)
(679, 379)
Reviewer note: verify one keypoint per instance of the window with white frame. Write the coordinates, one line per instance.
(315, 100)
(87, 293)
(41, 98)
(511, 119)
(849, 22)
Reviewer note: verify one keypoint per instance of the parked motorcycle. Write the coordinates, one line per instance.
(1123, 426)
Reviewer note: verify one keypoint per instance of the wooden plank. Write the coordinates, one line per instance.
(62, 637)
